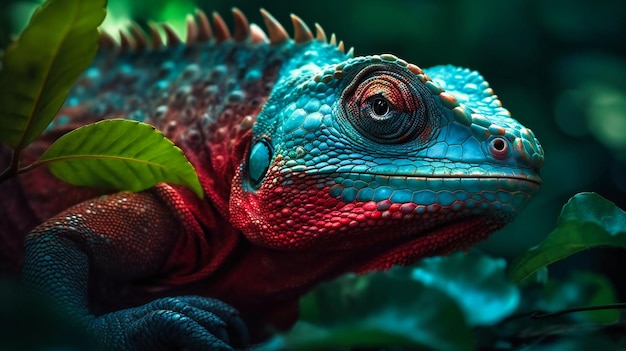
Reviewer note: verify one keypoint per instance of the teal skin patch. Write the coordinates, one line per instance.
(259, 161)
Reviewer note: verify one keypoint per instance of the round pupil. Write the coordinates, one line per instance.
(381, 107)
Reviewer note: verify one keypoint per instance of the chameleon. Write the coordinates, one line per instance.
(314, 163)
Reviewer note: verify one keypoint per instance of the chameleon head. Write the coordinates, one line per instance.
(374, 150)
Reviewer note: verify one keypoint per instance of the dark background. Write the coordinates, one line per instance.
(559, 66)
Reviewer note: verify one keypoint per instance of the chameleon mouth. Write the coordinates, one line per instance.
(511, 191)
(532, 178)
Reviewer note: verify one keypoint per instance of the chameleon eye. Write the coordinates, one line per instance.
(384, 106)
(380, 107)
(259, 161)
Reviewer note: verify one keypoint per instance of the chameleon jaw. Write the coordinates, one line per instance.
(340, 211)
(443, 240)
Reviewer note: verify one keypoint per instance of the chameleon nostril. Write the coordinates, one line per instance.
(499, 148)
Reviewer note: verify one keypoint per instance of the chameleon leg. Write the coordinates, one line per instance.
(123, 238)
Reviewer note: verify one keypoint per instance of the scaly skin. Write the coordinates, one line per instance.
(314, 164)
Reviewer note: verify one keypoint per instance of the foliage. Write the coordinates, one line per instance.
(377, 310)
(587, 220)
(481, 290)
(36, 78)
(34, 82)
(432, 305)
(119, 154)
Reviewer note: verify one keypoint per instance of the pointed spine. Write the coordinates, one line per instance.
(220, 28)
(242, 27)
(333, 40)
(302, 34)
(140, 42)
(204, 27)
(275, 30)
(340, 46)
(192, 30)
(107, 42)
(126, 41)
(156, 41)
(170, 35)
(257, 35)
(320, 35)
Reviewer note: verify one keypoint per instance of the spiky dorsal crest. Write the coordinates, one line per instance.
(200, 29)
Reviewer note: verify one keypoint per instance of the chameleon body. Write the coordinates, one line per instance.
(314, 163)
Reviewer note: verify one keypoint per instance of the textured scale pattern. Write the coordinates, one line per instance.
(314, 163)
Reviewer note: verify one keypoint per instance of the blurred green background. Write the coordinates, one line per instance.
(559, 66)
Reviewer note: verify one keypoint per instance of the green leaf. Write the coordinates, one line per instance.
(587, 220)
(582, 289)
(119, 154)
(477, 283)
(377, 310)
(39, 69)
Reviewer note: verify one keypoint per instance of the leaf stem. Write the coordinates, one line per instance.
(542, 314)
(29, 167)
(12, 170)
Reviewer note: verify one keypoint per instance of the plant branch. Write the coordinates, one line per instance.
(542, 314)
(12, 170)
